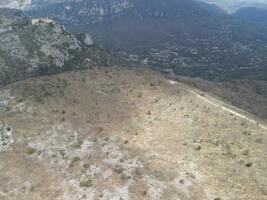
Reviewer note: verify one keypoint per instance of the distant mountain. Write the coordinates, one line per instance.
(255, 15)
(186, 37)
(40, 46)
(231, 6)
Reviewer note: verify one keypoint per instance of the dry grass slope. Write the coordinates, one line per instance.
(125, 134)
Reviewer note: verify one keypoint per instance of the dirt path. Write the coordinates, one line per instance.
(217, 103)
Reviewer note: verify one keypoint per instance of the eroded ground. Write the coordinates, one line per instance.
(125, 134)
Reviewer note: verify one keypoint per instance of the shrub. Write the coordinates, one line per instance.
(88, 183)
(30, 151)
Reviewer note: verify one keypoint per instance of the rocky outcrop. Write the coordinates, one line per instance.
(5, 136)
(41, 46)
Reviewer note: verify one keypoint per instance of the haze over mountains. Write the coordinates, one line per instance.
(252, 14)
(174, 36)
(231, 6)
(188, 37)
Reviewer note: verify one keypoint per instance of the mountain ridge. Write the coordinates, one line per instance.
(252, 14)
(232, 6)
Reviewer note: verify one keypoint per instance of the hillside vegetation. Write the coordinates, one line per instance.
(126, 134)
(249, 95)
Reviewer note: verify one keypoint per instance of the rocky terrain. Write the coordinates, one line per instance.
(41, 46)
(126, 134)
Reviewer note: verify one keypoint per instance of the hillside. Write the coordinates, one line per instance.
(40, 46)
(249, 95)
(255, 15)
(126, 134)
(188, 37)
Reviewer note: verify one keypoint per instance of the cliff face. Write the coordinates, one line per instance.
(41, 46)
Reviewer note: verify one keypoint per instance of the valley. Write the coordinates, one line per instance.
(188, 37)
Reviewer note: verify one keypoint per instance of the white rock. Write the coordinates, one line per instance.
(5, 137)
(88, 40)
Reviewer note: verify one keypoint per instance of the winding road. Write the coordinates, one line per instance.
(217, 103)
